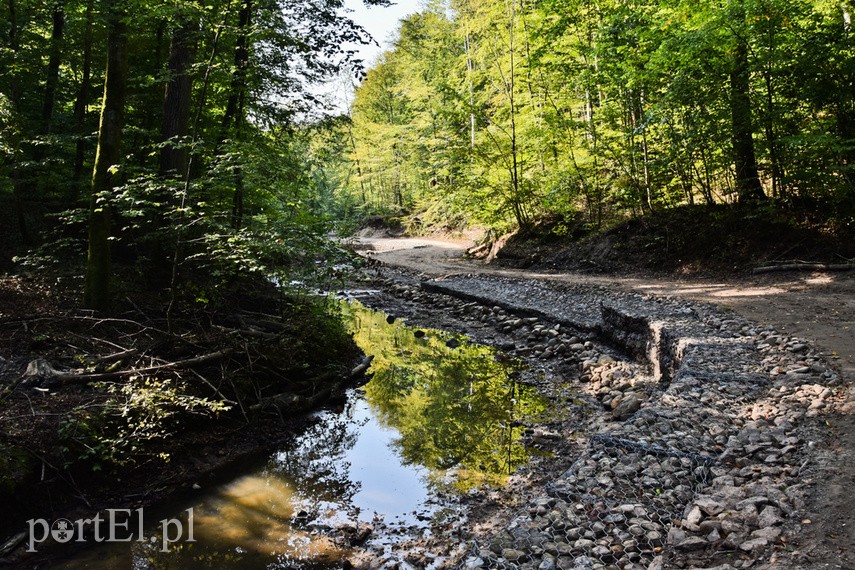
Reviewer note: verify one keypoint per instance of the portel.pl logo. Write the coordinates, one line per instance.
(115, 527)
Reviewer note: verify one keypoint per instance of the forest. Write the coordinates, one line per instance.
(209, 144)
(178, 193)
(501, 113)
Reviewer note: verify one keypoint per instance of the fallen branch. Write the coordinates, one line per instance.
(67, 378)
(804, 267)
(116, 356)
(361, 368)
(295, 403)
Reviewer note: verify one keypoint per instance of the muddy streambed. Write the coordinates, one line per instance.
(370, 477)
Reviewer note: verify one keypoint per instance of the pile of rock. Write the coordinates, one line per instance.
(704, 468)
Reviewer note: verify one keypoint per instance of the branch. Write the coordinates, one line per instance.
(190, 362)
(804, 267)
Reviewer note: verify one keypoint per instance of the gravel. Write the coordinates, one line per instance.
(702, 458)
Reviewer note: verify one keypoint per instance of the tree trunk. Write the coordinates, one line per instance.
(82, 103)
(845, 110)
(97, 291)
(239, 75)
(236, 105)
(747, 178)
(237, 199)
(771, 139)
(18, 185)
(176, 100)
(516, 198)
(53, 67)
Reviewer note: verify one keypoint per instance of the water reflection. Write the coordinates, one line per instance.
(432, 419)
(458, 411)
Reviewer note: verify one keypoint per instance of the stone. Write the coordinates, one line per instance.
(731, 525)
(601, 551)
(770, 533)
(513, 555)
(676, 535)
(629, 404)
(710, 506)
(695, 516)
(754, 544)
(691, 543)
(769, 516)
(714, 536)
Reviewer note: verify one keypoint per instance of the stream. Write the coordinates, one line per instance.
(440, 417)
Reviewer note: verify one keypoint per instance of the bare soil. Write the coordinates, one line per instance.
(819, 307)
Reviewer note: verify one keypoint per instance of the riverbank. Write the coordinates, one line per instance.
(122, 411)
(718, 446)
(824, 538)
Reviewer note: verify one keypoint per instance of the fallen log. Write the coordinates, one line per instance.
(361, 368)
(295, 403)
(803, 267)
(70, 378)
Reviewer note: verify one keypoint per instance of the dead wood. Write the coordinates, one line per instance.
(799, 266)
(67, 378)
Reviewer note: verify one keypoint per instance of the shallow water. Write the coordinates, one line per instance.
(439, 417)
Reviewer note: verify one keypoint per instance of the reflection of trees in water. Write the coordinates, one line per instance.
(454, 408)
(314, 462)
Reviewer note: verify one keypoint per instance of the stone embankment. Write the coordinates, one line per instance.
(706, 460)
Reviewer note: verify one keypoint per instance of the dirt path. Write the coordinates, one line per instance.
(817, 307)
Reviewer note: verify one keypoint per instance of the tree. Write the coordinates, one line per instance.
(747, 178)
(107, 159)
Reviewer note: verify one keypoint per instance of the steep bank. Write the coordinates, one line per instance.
(687, 240)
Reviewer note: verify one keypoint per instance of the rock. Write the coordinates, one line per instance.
(769, 533)
(757, 501)
(474, 562)
(709, 525)
(676, 535)
(513, 555)
(695, 516)
(708, 505)
(754, 544)
(629, 404)
(769, 516)
(714, 536)
(731, 525)
(691, 543)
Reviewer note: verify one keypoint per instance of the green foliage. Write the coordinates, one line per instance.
(456, 409)
(500, 111)
(137, 413)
